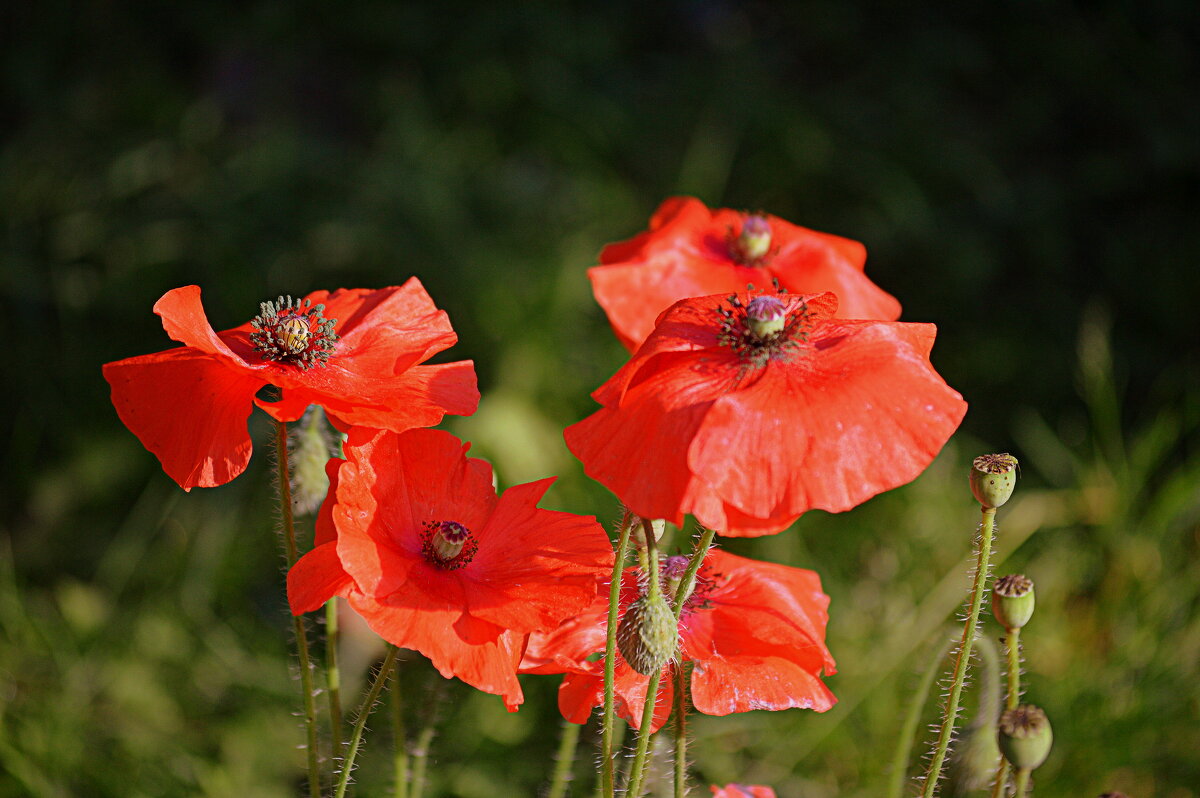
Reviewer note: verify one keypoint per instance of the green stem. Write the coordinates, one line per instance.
(400, 756)
(964, 655)
(908, 732)
(298, 627)
(421, 757)
(1022, 782)
(564, 760)
(637, 770)
(607, 781)
(1012, 642)
(680, 731)
(360, 722)
(645, 728)
(333, 675)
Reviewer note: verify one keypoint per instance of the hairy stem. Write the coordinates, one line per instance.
(607, 780)
(333, 675)
(298, 627)
(681, 705)
(360, 722)
(964, 654)
(1012, 642)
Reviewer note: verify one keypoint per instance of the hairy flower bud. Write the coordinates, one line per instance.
(310, 445)
(993, 477)
(1013, 600)
(1025, 736)
(648, 634)
(638, 534)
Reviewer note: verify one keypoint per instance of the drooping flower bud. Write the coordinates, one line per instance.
(993, 477)
(1025, 737)
(310, 445)
(1013, 600)
(648, 635)
(754, 241)
(766, 316)
(638, 534)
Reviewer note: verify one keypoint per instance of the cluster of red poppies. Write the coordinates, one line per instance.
(768, 376)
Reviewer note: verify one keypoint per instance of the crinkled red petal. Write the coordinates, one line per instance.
(315, 578)
(188, 408)
(723, 686)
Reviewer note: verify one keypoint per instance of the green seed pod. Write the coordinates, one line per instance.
(1025, 736)
(1013, 600)
(766, 316)
(993, 477)
(648, 634)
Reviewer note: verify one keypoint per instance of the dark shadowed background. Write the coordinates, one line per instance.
(1023, 175)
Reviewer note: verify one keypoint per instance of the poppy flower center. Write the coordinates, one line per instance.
(293, 331)
(752, 245)
(448, 544)
(672, 570)
(764, 329)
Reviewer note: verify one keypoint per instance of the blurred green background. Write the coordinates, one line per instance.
(1024, 175)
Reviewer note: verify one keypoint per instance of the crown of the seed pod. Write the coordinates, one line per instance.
(993, 477)
(766, 316)
(648, 635)
(1025, 736)
(1013, 600)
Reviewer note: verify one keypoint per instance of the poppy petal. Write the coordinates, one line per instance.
(200, 436)
(315, 578)
(740, 684)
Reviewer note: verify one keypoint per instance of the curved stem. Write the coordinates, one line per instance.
(681, 593)
(333, 675)
(298, 627)
(908, 732)
(421, 757)
(680, 731)
(364, 712)
(964, 654)
(564, 760)
(607, 780)
(1012, 642)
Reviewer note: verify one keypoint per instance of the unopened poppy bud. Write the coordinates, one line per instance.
(993, 477)
(765, 316)
(1013, 600)
(648, 635)
(310, 445)
(974, 761)
(1025, 736)
(658, 526)
(754, 242)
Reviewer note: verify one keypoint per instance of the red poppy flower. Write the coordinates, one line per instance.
(742, 791)
(754, 631)
(354, 352)
(415, 537)
(690, 250)
(747, 411)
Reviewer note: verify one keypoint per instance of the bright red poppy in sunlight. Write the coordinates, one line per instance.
(742, 791)
(754, 632)
(690, 250)
(748, 410)
(354, 352)
(415, 537)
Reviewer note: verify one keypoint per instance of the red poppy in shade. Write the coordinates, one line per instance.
(354, 352)
(742, 791)
(415, 537)
(748, 410)
(690, 250)
(754, 631)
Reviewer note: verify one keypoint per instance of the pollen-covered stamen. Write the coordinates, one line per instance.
(764, 329)
(293, 331)
(672, 570)
(751, 246)
(448, 544)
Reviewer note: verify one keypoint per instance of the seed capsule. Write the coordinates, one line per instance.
(1025, 736)
(1013, 600)
(293, 334)
(993, 477)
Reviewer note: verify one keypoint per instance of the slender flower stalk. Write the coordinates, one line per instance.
(360, 722)
(637, 770)
(680, 730)
(1022, 782)
(421, 756)
(333, 675)
(301, 633)
(607, 781)
(688, 579)
(1013, 602)
(564, 760)
(1012, 642)
(964, 654)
